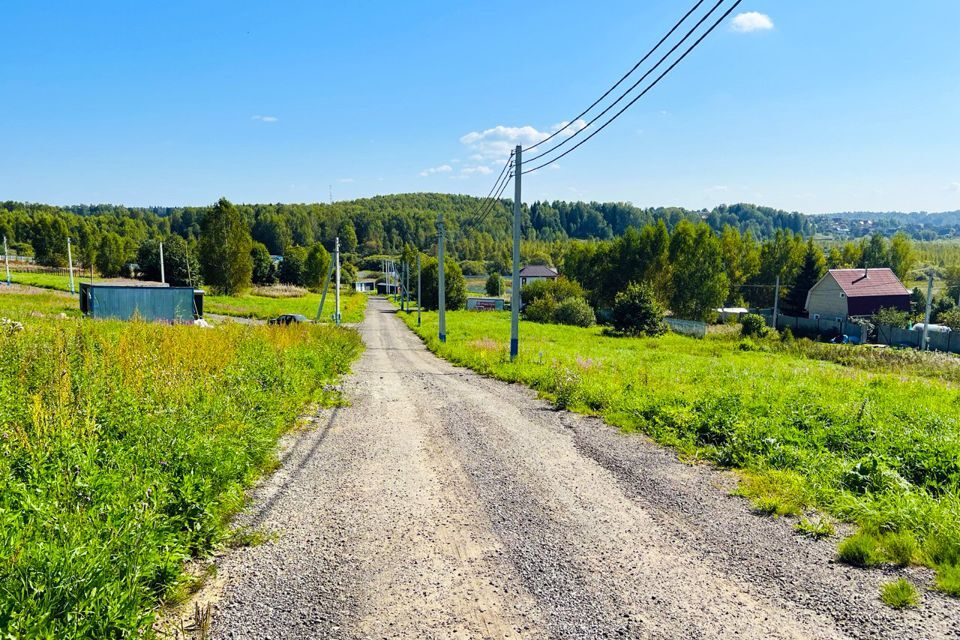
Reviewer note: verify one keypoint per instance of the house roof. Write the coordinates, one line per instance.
(863, 283)
(538, 271)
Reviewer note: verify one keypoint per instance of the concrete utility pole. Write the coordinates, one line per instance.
(336, 253)
(776, 302)
(323, 296)
(418, 287)
(926, 316)
(163, 274)
(6, 259)
(406, 287)
(70, 262)
(515, 294)
(441, 281)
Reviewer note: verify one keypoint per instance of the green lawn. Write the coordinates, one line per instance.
(875, 440)
(124, 449)
(18, 305)
(352, 306)
(46, 280)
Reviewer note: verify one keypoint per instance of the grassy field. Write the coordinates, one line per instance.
(46, 280)
(17, 303)
(352, 306)
(125, 447)
(244, 306)
(874, 440)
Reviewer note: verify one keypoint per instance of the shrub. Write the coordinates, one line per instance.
(859, 550)
(473, 268)
(576, 312)
(541, 310)
(636, 311)
(494, 285)
(566, 388)
(455, 296)
(892, 317)
(559, 289)
(752, 324)
(950, 318)
(899, 594)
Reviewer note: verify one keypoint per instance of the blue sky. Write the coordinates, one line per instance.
(829, 106)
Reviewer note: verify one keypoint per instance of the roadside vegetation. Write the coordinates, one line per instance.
(264, 307)
(124, 449)
(871, 441)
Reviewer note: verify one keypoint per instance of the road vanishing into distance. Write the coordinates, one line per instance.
(441, 504)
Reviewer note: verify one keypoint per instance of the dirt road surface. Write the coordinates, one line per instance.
(441, 504)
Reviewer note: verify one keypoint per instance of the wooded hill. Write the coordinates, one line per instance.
(110, 234)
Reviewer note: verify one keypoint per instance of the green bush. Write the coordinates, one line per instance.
(455, 296)
(559, 289)
(541, 310)
(473, 267)
(636, 311)
(892, 317)
(576, 312)
(752, 324)
(494, 286)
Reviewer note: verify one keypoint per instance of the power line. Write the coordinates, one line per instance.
(632, 87)
(622, 78)
(642, 93)
(481, 209)
(495, 200)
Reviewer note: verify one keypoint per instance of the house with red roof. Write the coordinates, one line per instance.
(843, 293)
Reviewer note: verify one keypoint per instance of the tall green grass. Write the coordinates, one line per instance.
(352, 306)
(125, 447)
(869, 443)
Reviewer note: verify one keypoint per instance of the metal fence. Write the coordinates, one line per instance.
(818, 326)
(687, 327)
(936, 341)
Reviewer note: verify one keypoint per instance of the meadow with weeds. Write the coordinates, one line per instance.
(248, 305)
(124, 450)
(262, 303)
(866, 436)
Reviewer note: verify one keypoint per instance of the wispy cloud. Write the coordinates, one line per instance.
(265, 118)
(480, 169)
(496, 143)
(444, 168)
(345, 180)
(749, 21)
(954, 186)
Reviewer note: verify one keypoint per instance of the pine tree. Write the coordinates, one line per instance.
(813, 268)
(225, 249)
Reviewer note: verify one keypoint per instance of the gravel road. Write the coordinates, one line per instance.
(441, 504)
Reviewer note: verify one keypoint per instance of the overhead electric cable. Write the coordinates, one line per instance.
(622, 78)
(642, 93)
(632, 87)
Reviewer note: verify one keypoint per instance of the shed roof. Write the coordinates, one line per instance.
(863, 283)
(538, 271)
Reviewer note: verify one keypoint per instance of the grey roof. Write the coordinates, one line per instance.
(538, 271)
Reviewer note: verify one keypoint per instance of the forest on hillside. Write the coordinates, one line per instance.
(110, 235)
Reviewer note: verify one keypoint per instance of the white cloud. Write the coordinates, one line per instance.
(497, 143)
(345, 180)
(954, 186)
(479, 169)
(751, 21)
(265, 118)
(444, 168)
